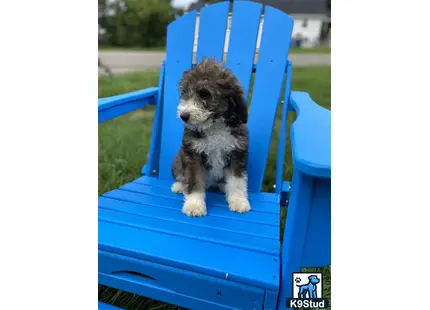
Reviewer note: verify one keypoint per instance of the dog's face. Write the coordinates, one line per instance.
(209, 93)
(314, 279)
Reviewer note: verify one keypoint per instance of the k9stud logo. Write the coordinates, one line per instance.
(307, 291)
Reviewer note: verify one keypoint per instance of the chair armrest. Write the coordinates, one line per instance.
(310, 136)
(111, 107)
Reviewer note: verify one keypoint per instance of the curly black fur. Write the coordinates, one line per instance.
(215, 141)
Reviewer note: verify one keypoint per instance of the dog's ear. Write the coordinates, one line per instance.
(238, 110)
(232, 92)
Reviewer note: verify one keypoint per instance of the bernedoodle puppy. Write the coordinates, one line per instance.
(215, 142)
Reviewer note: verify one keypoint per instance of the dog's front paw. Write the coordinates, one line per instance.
(178, 188)
(240, 204)
(194, 207)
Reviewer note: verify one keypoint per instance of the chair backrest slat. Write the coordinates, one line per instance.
(245, 23)
(269, 77)
(179, 56)
(212, 29)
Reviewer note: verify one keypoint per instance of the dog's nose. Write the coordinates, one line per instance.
(185, 116)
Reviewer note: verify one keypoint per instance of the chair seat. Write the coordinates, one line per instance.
(143, 220)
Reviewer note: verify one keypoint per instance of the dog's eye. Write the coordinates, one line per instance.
(183, 91)
(204, 93)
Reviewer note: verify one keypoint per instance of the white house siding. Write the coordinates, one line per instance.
(308, 28)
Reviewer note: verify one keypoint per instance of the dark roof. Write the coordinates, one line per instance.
(298, 6)
(288, 6)
(196, 6)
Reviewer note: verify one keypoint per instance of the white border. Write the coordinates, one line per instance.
(48, 172)
(380, 154)
(48, 158)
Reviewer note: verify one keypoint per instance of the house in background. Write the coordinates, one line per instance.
(311, 21)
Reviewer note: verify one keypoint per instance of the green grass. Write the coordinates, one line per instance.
(314, 50)
(294, 50)
(124, 144)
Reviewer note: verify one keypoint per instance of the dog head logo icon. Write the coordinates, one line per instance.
(307, 285)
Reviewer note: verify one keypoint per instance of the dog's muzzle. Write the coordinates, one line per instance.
(185, 116)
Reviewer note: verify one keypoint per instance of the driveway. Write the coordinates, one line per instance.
(128, 61)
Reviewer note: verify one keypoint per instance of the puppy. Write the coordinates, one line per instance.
(215, 142)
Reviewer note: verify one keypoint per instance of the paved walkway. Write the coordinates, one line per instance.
(128, 61)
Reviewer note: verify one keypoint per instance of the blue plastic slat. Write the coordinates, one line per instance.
(158, 293)
(212, 198)
(296, 225)
(283, 131)
(272, 63)
(318, 236)
(111, 107)
(254, 67)
(257, 197)
(271, 300)
(237, 265)
(154, 151)
(116, 201)
(243, 39)
(186, 230)
(311, 136)
(104, 306)
(202, 292)
(261, 211)
(212, 29)
(180, 41)
(254, 218)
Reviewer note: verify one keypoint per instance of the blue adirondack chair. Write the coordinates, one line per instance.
(224, 260)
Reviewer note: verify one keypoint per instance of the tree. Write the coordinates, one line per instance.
(135, 22)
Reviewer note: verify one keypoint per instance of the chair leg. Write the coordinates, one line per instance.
(295, 233)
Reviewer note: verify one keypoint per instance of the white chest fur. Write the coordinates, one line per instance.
(216, 144)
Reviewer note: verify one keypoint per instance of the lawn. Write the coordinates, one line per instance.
(124, 144)
(294, 50)
(313, 50)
